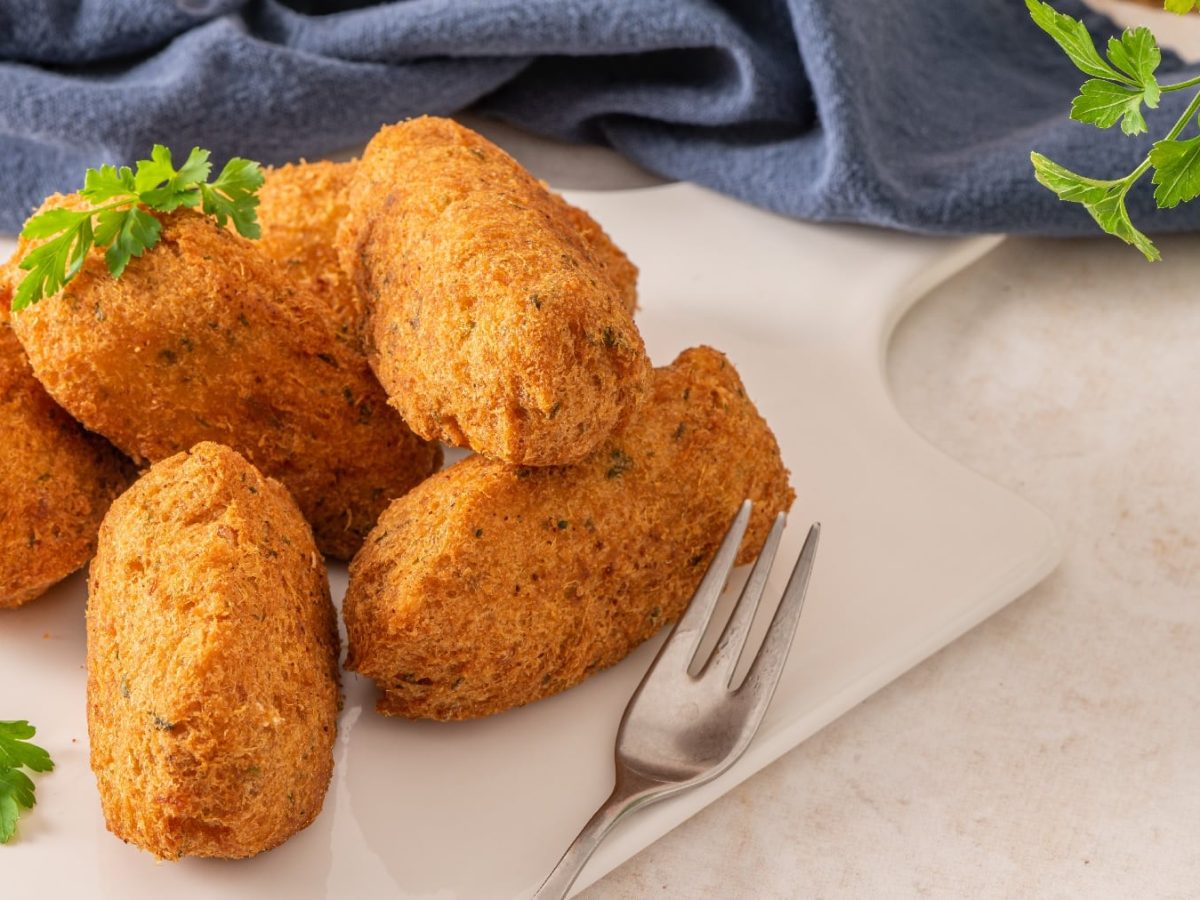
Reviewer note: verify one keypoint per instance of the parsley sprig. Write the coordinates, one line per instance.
(118, 220)
(1118, 89)
(16, 788)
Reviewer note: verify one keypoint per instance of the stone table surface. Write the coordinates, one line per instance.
(1054, 751)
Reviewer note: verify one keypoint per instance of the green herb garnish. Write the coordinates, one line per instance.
(16, 789)
(119, 222)
(1118, 89)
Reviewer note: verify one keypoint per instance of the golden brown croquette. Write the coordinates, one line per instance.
(612, 259)
(56, 480)
(491, 318)
(204, 337)
(212, 648)
(300, 208)
(490, 586)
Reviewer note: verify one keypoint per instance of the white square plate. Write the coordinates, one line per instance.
(916, 549)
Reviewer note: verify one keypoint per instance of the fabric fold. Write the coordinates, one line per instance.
(916, 114)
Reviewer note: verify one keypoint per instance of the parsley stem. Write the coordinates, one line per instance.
(1176, 130)
(128, 199)
(1179, 86)
(1184, 119)
(1137, 173)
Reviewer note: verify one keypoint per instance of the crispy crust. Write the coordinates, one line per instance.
(205, 338)
(212, 652)
(612, 259)
(56, 480)
(300, 208)
(489, 586)
(493, 319)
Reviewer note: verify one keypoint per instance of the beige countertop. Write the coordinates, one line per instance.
(1055, 750)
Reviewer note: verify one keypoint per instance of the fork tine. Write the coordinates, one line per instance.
(732, 645)
(698, 613)
(768, 664)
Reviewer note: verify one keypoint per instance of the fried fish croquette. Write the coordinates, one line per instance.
(56, 480)
(205, 338)
(492, 318)
(300, 208)
(212, 647)
(490, 586)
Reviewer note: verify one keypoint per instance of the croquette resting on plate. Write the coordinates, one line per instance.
(490, 586)
(212, 656)
(56, 480)
(206, 338)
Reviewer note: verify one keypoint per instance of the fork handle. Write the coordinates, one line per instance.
(629, 793)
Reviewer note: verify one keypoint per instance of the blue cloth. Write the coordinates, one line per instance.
(914, 114)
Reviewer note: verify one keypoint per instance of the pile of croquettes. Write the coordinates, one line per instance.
(213, 424)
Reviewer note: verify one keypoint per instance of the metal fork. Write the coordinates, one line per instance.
(688, 722)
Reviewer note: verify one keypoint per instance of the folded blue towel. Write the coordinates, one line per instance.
(914, 114)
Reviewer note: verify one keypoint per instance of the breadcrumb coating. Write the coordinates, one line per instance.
(56, 480)
(300, 208)
(495, 315)
(212, 689)
(491, 586)
(205, 338)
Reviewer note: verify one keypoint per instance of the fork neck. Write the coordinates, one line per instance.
(630, 792)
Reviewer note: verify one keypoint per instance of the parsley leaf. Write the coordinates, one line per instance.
(119, 220)
(154, 171)
(232, 196)
(1136, 54)
(1180, 6)
(17, 752)
(1072, 36)
(52, 222)
(104, 184)
(1103, 104)
(1104, 200)
(1176, 171)
(55, 262)
(16, 792)
(196, 168)
(1119, 95)
(128, 233)
(16, 789)
(161, 187)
